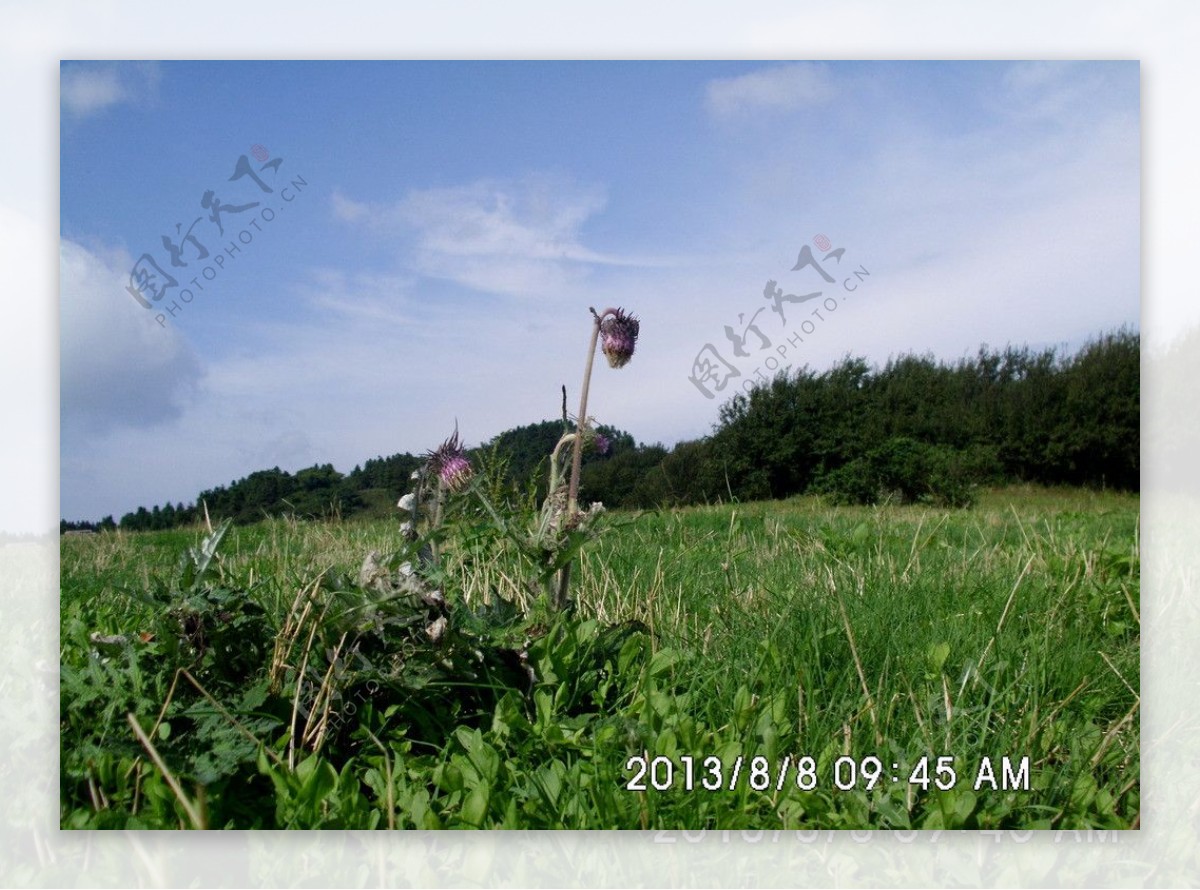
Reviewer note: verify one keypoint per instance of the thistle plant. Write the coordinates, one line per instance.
(560, 527)
(617, 333)
(446, 471)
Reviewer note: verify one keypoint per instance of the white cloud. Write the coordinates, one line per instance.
(88, 88)
(119, 367)
(520, 237)
(538, 218)
(378, 299)
(780, 88)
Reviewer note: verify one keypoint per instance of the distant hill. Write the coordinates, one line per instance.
(371, 489)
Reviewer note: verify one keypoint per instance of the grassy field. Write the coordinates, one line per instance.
(766, 665)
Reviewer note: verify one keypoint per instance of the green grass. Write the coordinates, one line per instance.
(772, 630)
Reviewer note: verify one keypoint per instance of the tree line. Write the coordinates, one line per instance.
(915, 429)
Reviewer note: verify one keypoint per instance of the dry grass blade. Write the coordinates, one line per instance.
(318, 715)
(292, 625)
(1120, 676)
(193, 812)
(1112, 732)
(1132, 608)
(949, 709)
(857, 661)
(298, 695)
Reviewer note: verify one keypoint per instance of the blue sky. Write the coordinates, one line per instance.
(457, 219)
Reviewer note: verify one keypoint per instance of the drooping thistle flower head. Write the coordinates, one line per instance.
(618, 336)
(449, 462)
(601, 443)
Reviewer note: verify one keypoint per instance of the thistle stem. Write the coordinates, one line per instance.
(435, 548)
(577, 453)
(564, 577)
(581, 420)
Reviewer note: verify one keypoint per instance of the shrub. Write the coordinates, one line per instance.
(906, 471)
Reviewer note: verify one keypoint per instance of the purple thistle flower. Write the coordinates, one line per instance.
(450, 463)
(619, 333)
(602, 443)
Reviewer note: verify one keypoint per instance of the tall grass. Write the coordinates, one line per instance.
(778, 629)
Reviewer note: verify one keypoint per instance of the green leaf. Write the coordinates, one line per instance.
(663, 661)
(632, 651)
(475, 806)
(485, 760)
(321, 781)
(418, 809)
(937, 655)
(549, 781)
